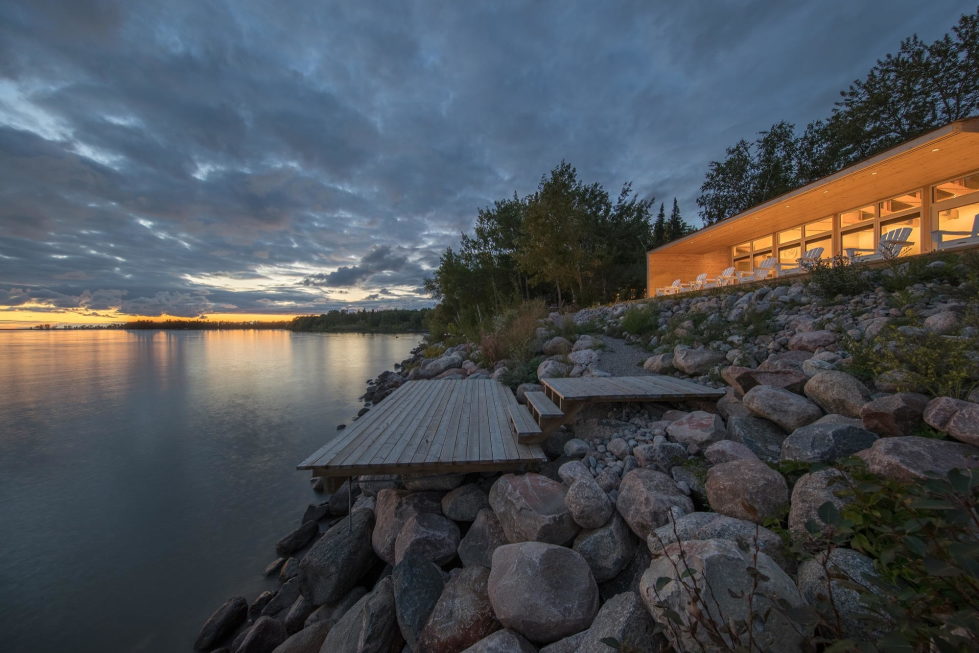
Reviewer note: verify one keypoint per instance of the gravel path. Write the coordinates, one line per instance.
(619, 358)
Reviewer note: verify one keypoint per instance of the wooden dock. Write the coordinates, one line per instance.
(658, 387)
(434, 427)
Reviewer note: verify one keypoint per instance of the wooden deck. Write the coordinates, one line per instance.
(568, 392)
(432, 427)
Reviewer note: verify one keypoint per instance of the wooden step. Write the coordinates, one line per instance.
(527, 429)
(542, 408)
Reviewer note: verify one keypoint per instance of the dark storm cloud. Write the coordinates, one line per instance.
(187, 157)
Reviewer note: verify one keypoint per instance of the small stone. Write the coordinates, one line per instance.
(576, 448)
(812, 340)
(619, 448)
(695, 362)
(942, 323)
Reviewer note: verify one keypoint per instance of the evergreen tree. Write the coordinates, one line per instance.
(659, 227)
(675, 227)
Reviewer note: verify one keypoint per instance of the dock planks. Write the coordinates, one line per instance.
(432, 427)
(626, 388)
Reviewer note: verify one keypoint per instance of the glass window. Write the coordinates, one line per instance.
(789, 255)
(956, 187)
(964, 219)
(826, 242)
(821, 226)
(762, 243)
(761, 256)
(900, 203)
(856, 216)
(789, 235)
(859, 242)
(743, 265)
(742, 249)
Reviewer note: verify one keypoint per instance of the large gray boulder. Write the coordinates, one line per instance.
(812, 340)
(810, 492)
(894, 415)
(697, 429)
(628, 579)
(335, 563)
(747, 489)
(439, 365)
(307, 640)
(913, 458)
(838, 392)
(502, 641)
(264, 635)
(787, 409)
(429, 536)
(607, 550)
(224, 621)
(763, 437)
(724, 567)
(695, 362)
(848, 570)
(557, 346)
(463, 614)
(464, 502)
(625, 619)
(370, 626)
(393, 509)
(543, 591)
(958, 418)
(659, 364)
(331, 613)
(532, 507)
(823, 442)
(550, 369)
(743, 379)
(588, 504)
(647, 500)
(713, 526)
(417, 584)
(482, 538)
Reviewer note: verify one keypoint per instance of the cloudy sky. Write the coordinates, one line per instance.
(210, 158)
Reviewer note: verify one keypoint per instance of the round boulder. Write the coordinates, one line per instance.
(837, 392)
(588, 504)
(544, 592)
(532, 507)
(747, 489)
(429, 536)
(787, 409)
(647, 499)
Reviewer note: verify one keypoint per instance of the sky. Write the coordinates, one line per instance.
(246, 160)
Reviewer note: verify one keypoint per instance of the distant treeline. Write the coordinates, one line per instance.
(209, 325)
(374, 321)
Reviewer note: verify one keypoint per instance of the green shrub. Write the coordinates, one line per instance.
(924, 538)
(935, 364)
(641, 320)
(836, 276)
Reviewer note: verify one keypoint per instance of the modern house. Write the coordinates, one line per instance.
(929, 185)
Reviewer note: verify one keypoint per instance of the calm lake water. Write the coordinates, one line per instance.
(146, 476)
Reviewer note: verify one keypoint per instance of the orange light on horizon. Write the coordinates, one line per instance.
(20, 317)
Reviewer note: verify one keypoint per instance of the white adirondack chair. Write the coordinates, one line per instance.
(728, 277)
(697, 283)
(891, 245)
(971, 237)
(808, 256)
(671, 289)
(768, 267)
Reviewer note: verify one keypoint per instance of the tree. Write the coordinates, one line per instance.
(659, 227)
(676, 227)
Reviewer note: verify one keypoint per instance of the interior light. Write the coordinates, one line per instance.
(936, 149)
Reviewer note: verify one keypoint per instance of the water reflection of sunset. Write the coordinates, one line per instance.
(21, 317)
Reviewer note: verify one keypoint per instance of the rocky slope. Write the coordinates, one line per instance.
(640, 503)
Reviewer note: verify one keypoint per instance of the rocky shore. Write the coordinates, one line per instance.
(609, 546)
